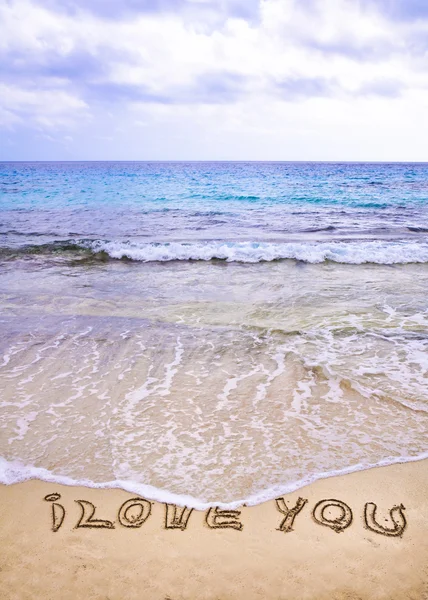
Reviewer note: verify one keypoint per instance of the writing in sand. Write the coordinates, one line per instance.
(332, 513)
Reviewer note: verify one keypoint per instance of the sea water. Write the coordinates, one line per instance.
(211, 333)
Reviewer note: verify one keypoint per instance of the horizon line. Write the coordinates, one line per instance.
(418, 162)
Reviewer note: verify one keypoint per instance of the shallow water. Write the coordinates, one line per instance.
(205, 380)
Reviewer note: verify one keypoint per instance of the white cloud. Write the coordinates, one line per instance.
(48, 108)
(313, 79)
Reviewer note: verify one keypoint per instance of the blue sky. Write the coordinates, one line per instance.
(213, 80)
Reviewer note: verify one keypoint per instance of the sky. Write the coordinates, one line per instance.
(214, 80)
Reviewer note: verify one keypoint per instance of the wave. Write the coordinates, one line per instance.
(418, 229)
(350, 252)
(14, 232)
(12, 472)
(316, 229)
(57, 247)
(254, 252)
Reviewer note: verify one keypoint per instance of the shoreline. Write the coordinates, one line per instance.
(147, 554)
(13, 472)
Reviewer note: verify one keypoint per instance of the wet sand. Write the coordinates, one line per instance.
(310, 562)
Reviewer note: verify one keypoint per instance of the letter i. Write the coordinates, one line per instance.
(58, 511)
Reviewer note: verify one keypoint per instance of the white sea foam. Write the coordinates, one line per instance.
(12, 472)
(355, 252)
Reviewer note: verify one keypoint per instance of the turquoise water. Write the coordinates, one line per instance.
(157, 202)
(211, 332)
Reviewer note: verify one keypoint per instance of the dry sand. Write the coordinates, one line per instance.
(260, 562)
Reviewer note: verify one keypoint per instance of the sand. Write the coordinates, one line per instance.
(313, 561)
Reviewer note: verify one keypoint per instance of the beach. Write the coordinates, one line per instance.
(310, 562)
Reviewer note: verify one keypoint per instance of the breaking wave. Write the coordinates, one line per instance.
(348, 252)
(253, 252)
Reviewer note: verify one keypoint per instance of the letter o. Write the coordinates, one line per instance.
(339, 523)
(127, 519)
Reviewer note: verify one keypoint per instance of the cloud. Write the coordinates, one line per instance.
(208, 88)
(220, 87)
(114, 93)
(374, 50)
(295, 88)
(46, 108)
(401, 10)
(74, 66)
(113, 9)
(389, 88)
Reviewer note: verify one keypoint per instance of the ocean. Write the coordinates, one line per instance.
(211, 333)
